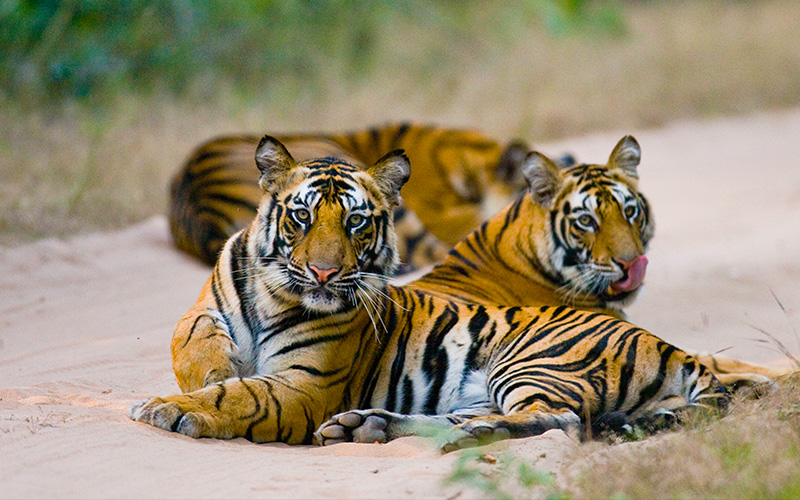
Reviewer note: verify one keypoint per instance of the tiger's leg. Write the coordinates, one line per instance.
(534, 420)
(659, 379)
(377, 425)
(460, 429)
(203, 351)
(736, 374)
(280, 407)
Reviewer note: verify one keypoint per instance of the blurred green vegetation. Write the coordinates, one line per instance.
(56, 49)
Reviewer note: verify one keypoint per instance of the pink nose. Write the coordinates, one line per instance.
(322, 275)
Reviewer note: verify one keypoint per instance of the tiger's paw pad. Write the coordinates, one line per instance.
(358, 426)
(475, 433)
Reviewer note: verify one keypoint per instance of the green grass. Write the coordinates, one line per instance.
(82, 48)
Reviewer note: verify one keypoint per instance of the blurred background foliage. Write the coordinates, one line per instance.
(54, 49)
(100, 102)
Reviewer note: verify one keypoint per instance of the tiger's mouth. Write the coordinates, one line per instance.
(632, 279)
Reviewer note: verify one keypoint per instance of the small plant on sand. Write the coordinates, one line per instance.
(502, 477)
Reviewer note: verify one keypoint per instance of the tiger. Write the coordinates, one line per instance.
(578, 237)
(462, 178)
(298, 327)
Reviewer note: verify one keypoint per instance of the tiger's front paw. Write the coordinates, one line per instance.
(358, 426)
(173, 414)
(474, 433)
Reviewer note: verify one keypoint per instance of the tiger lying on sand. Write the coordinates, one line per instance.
(578, 237)
(297, 323)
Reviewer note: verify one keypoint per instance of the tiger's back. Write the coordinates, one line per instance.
(461, 177)
(213, 196)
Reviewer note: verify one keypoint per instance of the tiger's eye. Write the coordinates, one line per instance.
(302, 215)
(586, 220)
(355, 220)
(630, 211)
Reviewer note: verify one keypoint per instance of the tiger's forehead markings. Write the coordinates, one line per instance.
(330, 180)
(590, 177)
(597, 187)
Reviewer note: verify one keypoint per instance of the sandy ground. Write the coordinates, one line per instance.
(85, 326)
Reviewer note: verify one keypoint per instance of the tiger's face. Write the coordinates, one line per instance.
(599, 224)
(326, 239)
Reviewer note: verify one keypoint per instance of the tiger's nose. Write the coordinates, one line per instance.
(322, 275)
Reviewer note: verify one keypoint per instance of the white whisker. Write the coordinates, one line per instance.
(382, 293)
(372, 302)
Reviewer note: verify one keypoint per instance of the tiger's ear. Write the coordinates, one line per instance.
(509, 165)
(390, 173)
(544, 179)
(626, 156)
(273, 160)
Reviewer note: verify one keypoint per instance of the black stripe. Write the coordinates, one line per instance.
(311, 426)
(463, 259)
(317, 373)
(646, 394)
(309, 342)
(220, 395)
(264, 416)
(555, 405)
(398, 365)
(476, 325)
(408, 396)
(434, 358)
(286, 320)
(194, 325)
(214, 212)
(238, 254)
(210, 198)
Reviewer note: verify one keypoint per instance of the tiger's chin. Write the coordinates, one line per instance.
(620, 299)
(322, 300)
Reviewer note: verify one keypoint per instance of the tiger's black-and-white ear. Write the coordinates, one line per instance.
(544, 179)
(390, 173)
(273, 160)
(626, 156)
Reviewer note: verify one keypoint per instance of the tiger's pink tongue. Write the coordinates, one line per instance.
(635, 276)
